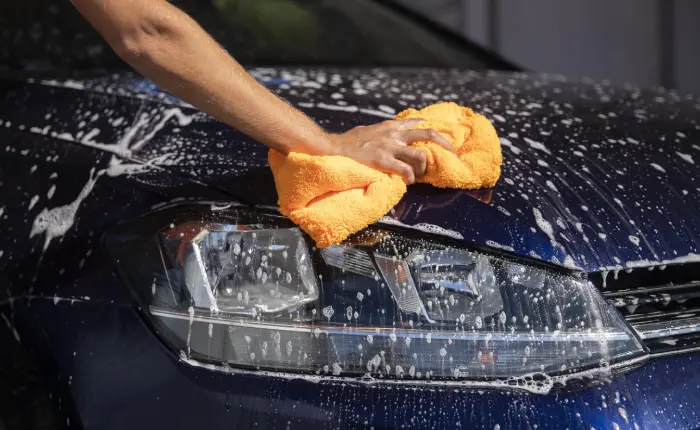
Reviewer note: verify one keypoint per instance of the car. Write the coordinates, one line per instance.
(148, 281)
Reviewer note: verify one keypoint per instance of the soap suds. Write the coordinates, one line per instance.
(686, 157)
(544, 225)
(33, 201)
(505, 142)
(497, 245)
(57, 221)
(657, 167)
(424, 227)
(537, 145)
(689, 258)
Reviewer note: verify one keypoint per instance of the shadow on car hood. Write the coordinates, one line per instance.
(595, 177)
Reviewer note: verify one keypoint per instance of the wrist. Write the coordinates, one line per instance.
(321, 143)
(330, 144)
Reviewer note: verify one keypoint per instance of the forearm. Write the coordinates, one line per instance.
(165, 45)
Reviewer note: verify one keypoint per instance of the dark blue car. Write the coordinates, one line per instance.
(147, 280)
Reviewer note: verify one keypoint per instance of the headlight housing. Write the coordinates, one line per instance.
(249, 290)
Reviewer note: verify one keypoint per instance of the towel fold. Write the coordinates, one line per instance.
(476, 162)
(332, 197)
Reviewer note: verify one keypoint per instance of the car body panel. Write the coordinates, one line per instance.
(114, 373)
(594, 177)
(78, 156)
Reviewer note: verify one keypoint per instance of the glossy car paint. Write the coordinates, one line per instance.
(596, 177)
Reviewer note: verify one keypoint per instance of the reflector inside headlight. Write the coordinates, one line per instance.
(253, 293)
(242, 269)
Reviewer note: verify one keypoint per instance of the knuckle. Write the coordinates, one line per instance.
(390, 162)
(383, 156)
(413, 153)
(383, 164)
(425, 134)
(387, 142)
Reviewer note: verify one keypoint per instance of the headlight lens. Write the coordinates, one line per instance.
(250, 291)
(242, 270)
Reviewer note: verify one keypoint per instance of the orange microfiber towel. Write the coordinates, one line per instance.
(332, 197)
(476, 162)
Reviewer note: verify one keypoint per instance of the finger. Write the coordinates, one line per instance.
(414, 157)
(419, 134)
(389, 123)
(408, 123)
(393, 165)
(399, 124)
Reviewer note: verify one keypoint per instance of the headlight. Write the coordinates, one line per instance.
(250, 291)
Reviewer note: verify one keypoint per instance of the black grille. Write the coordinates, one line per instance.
(661, 303)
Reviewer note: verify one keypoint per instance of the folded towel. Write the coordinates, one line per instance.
(332, 197)
(476, 162)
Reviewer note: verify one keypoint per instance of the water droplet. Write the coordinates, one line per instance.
(328, 311)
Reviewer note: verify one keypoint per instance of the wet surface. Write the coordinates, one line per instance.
(594, 177)
(107, 346)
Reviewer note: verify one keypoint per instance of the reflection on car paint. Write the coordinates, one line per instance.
(610, 170)
(588, 207)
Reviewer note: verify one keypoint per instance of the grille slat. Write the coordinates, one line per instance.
(668, 328)
(651, 290)
(662, 304)
(352, 260)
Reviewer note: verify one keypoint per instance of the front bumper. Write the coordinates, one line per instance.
(108, 371)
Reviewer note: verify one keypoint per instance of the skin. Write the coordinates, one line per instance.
(168, 47)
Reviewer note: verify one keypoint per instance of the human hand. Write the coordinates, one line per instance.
(385, 146)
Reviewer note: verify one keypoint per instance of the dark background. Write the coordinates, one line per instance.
(645, 42)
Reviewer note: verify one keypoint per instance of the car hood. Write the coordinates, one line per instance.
(595, 177)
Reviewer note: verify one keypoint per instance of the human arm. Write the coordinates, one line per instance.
(167, 46)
